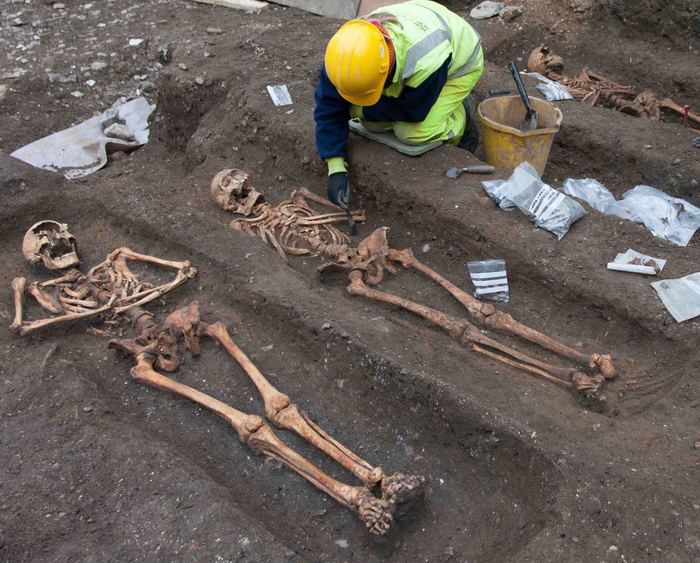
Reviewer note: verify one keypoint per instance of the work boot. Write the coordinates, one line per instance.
(470, 138)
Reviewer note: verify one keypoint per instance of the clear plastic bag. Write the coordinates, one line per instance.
(494, 188)
(547, 208)
(490, 280)
(681, 297)
(666, 217)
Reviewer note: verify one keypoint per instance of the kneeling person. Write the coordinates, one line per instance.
(410, 67)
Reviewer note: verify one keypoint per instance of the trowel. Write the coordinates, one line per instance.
(455, 173)
(530, 121)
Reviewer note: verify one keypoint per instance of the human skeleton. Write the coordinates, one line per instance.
(311, 234)
(589, 87)
(111, 288)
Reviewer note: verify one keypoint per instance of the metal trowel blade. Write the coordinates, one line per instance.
(351, 222)
(452, 172)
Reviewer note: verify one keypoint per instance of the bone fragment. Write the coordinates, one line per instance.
(98, 332)
(90, 303)
(317, 199)
(503, 321)
(31, 327)
(18, 286)
(47, 301)
(182, 276)
(80, 294)
(668, 103)
(519, 365)
(70, 277)
(186, 323)
(75, 308)
(49, 354)
(131, 255)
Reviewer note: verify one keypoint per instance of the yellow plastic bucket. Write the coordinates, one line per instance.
(505, 146)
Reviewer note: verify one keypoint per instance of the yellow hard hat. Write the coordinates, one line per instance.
(357, 62)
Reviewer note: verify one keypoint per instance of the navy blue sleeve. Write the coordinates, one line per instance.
(414, 104)
(331, 114)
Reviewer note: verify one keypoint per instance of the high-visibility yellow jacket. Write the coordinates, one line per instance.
(428, 35)
(432, 45)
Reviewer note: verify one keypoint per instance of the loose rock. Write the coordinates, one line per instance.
(510, 13)
(98, 65)
(119, 131)
(182, 66)
(110, 117)
(214, 31)
(486, 10)
(199, 80)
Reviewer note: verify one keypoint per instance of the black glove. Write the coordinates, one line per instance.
(339, 190)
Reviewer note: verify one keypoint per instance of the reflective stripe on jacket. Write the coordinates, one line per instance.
(429, 33)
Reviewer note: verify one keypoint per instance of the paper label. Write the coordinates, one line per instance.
(545, 202)
(489, 282)
(280, 95)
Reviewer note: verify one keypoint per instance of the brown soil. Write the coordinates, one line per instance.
(96, 467)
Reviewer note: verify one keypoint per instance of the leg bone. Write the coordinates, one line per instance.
(486, 314)
(280, 411)
(18, 286)
(377, 514)
(458, 329)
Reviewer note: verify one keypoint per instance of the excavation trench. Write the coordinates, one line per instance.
(483, 482)
(561, 287)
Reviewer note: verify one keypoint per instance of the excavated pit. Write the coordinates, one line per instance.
(458, 223)
(479, 477)
(516, 468)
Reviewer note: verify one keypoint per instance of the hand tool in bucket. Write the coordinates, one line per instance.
(530, 121)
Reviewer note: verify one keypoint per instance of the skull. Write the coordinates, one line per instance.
(230, 191)
(542, 60)
(51, 243)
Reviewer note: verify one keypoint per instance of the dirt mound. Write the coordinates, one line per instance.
(663, 17)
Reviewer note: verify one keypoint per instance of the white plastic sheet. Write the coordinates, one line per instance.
(552, 90)
(681, 297)
(81, 150)
(666, 217)
(546, 207)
